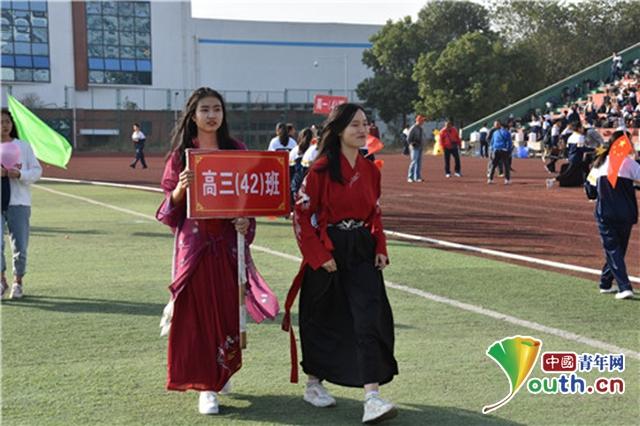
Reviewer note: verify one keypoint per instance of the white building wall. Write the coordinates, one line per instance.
(302, 58)
(60, 59)
(291, 56)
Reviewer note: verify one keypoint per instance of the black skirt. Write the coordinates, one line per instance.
(346, 323)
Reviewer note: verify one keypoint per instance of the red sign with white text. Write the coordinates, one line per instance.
(238, 183)
(323, 104)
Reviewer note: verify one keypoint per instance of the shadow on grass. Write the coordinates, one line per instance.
(167, 235)
(45, 231)
(278, 409)
(83, 305)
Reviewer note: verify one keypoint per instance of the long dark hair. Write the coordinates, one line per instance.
(601, 155)
(14, 131)
(283, 134)
(304, 140)
(186, 129)
(338, 120)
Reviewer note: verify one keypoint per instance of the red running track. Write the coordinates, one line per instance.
(523, 218)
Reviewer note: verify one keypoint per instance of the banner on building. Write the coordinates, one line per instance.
(323, 104)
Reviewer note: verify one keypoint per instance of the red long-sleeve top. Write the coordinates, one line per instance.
(449, 138)
(331, 202)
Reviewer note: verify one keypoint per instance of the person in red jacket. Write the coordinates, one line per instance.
(450, 142)
(373, 130)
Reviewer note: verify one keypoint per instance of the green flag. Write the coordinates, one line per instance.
(48, 145)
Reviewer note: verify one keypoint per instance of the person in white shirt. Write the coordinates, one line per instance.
(138, 138)
(552, 151)
(484, 141)
(310, 155)
(574, 172)
(16, 204)
(616, 67)
(297, 170)
(282, 142)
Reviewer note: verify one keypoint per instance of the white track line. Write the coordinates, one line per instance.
(98, 183)
(598, 344)
(402, 235)
(502, 254)
(567, 335)
(97, 203)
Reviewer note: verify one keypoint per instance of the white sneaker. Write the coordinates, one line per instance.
(458, 175)
(208, 403)
(550, 183)
(447, 175)
(410, 180)
(377, 410)
(627, 294)
(489, 181)
(608, 290)
(507, 182)
(226, 389)
(16, 291)
(316, 395)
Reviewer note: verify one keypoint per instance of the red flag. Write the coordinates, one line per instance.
(373, 145)
(619, 150)
(379, 164)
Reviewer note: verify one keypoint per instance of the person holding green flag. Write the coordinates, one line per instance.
(47, 144)
(20, 169)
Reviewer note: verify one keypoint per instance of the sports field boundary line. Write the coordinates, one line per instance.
(99, 183)
(502, 254)
(403, 236)
(567, 335)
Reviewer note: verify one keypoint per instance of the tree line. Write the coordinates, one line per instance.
(466, 60)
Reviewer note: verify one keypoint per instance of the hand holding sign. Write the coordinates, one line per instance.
(241, 224)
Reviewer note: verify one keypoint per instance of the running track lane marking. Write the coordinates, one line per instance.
(503, 254)
(401, 235)
(598, 344)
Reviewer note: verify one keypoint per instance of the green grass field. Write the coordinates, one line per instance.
(83, 346)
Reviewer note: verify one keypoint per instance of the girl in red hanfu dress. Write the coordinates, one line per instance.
(346, 324)
(203, 314)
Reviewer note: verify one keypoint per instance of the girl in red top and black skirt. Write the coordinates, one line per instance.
(346, 323)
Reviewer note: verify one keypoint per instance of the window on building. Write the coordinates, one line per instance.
(25, 41)
(119, 42)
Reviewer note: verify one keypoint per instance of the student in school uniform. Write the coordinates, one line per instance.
(611, 184)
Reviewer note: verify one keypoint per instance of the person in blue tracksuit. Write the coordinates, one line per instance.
(501, 146)
(616, 212)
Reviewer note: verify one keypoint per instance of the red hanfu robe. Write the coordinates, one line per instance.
(204, 340)
(330, 202)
